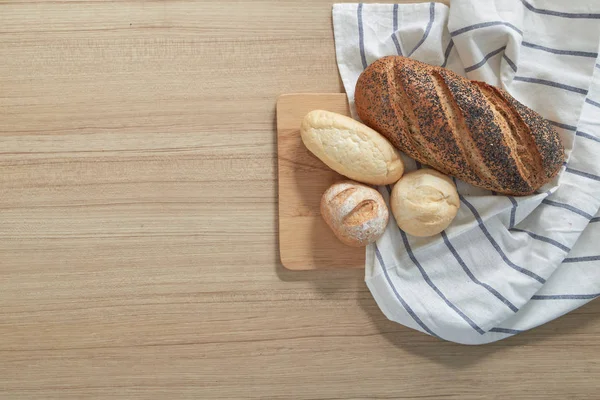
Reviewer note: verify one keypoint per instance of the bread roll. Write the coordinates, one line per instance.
(357, 214)
(351, 148)
(467, 129)
(424, 202)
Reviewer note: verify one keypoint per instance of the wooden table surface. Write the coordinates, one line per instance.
(138, 223)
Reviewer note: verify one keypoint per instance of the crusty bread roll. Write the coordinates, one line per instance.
(356, 213)
(351, 148)
(424, 202)
(467, 129)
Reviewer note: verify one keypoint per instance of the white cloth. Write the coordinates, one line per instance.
(506, 264)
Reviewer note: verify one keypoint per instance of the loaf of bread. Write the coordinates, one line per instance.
(424, 202)
(356, 213)
(468, 129)
(350, 148)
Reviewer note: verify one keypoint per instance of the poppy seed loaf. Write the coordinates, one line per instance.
(467, 129)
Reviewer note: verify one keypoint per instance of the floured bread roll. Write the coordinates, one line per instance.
(424, 202)
(356, 213)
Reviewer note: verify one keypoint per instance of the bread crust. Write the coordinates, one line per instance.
(467, 129)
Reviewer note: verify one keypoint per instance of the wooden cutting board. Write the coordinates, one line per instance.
(305, 241)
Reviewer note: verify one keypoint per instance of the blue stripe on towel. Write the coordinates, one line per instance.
(582, 173)
(506, 330)
(588, 136)
(485, 25)
(565, 296)
(562, 52)
(546, 82)
(510, 62)
(581, 259)
(567, 207)
(544, 239)
(561, 125)
(513, 211)
(485, 59)
(395, 29)
(447, 52)
(592, 102)
(361, 35)
(560, 14)
(427, 29)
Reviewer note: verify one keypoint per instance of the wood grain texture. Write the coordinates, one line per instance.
(305, 240)
(138, 223)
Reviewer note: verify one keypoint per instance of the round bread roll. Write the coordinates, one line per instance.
(357, 214)
(351, 148)
(424, 202)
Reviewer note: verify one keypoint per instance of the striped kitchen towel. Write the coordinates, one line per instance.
(506, 264)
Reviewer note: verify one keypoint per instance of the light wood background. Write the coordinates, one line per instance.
(138, 223)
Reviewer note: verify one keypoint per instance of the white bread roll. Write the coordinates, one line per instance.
(424, 202)
(356, 213)
(351, 148)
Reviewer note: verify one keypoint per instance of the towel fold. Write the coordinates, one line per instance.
(506, 264)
